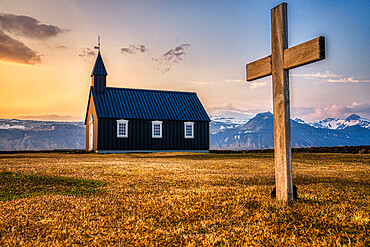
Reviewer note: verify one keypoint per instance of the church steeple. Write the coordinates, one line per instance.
(99, 73)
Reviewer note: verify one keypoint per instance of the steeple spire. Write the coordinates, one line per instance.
(99, 68)
(99, 73)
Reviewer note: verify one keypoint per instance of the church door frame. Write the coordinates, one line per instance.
(91, 133)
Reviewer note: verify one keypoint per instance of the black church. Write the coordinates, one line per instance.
(138, 120)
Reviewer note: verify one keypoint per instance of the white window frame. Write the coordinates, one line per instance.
(192, 130)
(160, 129)
(124, 122)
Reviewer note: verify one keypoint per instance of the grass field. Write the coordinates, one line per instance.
(184, 199)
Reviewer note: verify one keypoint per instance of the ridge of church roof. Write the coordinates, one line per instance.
(151, 90)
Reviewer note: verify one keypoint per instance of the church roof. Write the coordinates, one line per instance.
(99, 68)
(148, 104)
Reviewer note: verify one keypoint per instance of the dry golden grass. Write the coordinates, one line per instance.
(181, 199)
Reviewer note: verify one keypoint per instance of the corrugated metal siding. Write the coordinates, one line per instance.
(148, 104)
(140, 136)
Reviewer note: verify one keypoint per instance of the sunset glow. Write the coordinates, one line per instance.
(47, 54)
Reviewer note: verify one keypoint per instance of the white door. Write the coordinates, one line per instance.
(91, 133)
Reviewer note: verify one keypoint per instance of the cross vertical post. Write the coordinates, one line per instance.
(281, 104)
(278, 64)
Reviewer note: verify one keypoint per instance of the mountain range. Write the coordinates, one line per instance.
(41, 135)
(257, 133)
(225, 133)
(338, 124)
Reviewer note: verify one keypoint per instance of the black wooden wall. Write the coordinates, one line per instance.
(140, 136)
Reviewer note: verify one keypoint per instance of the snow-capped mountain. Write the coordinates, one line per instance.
(18, 134)
(228, 120)
(338, 124)
(225, 133)
(298, 120)
(257, 133)
(219, 123)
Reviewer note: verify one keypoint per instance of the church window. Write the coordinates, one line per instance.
(157, 129)
(189, 130)
(122, 128)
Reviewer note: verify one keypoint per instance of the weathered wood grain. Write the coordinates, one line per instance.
(281, 105)
(305, 53)
(278, 64)
(308, 52)
(259, 68)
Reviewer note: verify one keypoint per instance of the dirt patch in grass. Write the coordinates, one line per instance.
(184, 199)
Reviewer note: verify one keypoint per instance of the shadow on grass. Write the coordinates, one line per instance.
(18, 185)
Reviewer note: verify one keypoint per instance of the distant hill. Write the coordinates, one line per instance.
(41, 135)
(258, 133)
(225, 134)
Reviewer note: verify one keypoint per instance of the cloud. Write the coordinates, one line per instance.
(28, 27)
(257, 84)
(133, 49)
(61, 47)
(50, 117)
(347, 80)
(301, 112)
(252, 84)
(226, 83)
(173, 56)
(312, 114)
(329, 77)
(231, 83)
(235, 81)
(87, 53)
(225, 106)
(227, 110)
(327, 74)
(12, 50)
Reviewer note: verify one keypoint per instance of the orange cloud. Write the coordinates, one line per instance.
(28, 27)
(12, 50)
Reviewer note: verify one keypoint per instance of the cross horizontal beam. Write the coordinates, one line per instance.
(305, 53)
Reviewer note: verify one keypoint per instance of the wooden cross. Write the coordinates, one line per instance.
(277, 64)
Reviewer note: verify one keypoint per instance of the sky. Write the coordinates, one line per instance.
(47, 54)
